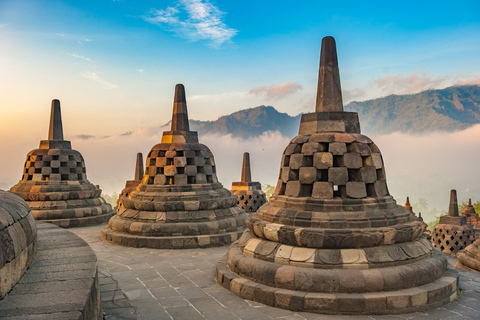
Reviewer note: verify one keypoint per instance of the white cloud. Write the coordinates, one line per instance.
(94, 76)
(406, 84)
(277, 91)
(140, 70)
(203, 21)
(79, 57)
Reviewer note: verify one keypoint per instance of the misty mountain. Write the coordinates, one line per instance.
(449, 109)
(250, 123)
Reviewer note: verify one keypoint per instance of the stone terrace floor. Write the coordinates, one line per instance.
(180, 284)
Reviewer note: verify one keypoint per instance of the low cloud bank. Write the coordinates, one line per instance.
(426, 166)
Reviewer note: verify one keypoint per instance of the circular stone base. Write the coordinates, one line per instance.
(176, 242)
(428, 296)
(81, 222)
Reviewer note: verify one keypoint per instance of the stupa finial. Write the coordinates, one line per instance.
(246, 174)
(408, 201)
(453, 207)
(55, 131)
(329, 92)
(470, 202)
(180, 114)
(139, 167)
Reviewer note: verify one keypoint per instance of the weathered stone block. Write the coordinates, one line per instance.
(199, 161)
(338, 176)
(337, 148)
(374, 160)
(190, 170)
(310, 148)
(322, 190)
(161, 162)
(352, 160)
(356, 189)
(296, 189)
(368, 174)
(297, 160)
(180, 179)
(361, 148)
(169, 171)
(307, 175)
(323, 160)
(179, 161)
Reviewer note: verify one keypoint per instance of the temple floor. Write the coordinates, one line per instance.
(143, 283)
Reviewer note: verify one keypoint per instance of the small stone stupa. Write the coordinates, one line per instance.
(250, 195)
(452, 233)
(408, 207)
(472, 218)
(55, 185)
(131, 185)
(331, 239)
(179, 203)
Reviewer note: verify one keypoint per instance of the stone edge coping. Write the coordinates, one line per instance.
(62, 282)
(333, 238)
(353, 258)
(81, 221)
(177, 242)
(432, 295)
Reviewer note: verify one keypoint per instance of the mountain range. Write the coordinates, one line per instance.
(450, 109)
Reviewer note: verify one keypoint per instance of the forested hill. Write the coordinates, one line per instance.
(448, 109)
(250, 123)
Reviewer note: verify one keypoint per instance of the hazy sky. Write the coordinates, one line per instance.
(114, 64)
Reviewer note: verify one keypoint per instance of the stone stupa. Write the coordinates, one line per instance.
(250, 195)
(452, 233)
(131, 185)
(472, 218)
(18, 240)
(55, 185)
(409, 208)
(332, 239)
(179, 203)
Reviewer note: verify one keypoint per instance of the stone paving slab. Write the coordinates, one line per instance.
(142, 283)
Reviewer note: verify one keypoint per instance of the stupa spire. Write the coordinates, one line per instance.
(408, 201)
(453, 207)
(470, 202)
(246, 174)
(55, 131)
(139, 167)
(329, 92)
(180, 114)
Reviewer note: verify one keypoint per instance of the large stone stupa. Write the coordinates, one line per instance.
(55, 185)
(249, 193)
(332, 239)
(179, 203)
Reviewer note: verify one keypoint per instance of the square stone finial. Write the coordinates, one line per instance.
(453, 206)
(180, 130)
(329, 115)
(246, 173)
(139, 167)
(55, 130)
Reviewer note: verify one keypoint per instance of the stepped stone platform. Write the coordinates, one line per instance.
(452, 233)
(179, 203)
(144, 283)
(55, 185)
(62, 282)
(250, 195)
(332, 239)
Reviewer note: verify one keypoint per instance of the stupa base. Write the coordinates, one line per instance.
(172, 242)
(469, 259)
(82, 221)
(428, 296)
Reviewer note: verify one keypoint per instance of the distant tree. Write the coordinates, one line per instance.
(421, 205)
(269, 190)
(111, 199)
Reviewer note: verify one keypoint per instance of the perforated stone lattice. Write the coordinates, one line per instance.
(451, 239)
(179, 164)
(250, 201)
(55, 165)
(327, 165)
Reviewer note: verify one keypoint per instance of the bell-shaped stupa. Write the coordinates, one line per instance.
(472, 218)
(452, 233)
(250, 195)
(131, 185)
(332, 239)
(409, 208)
(55, 185)
(179, 203)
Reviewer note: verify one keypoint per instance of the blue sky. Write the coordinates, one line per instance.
(114, 64)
